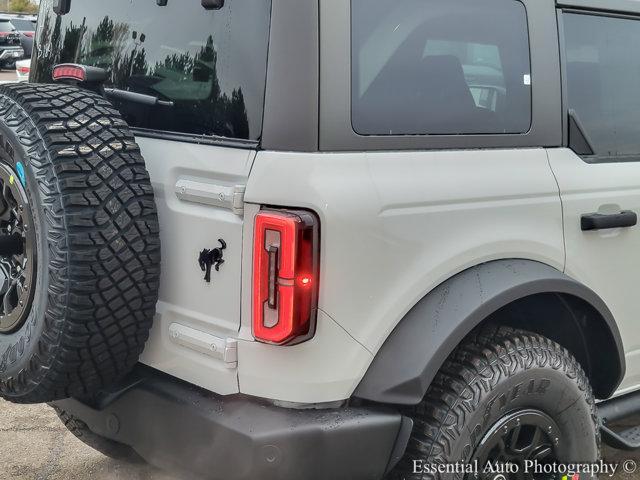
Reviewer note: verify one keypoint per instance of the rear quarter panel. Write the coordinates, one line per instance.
(394, 225)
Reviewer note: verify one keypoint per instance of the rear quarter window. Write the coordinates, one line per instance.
(207, 66)
(439, 67)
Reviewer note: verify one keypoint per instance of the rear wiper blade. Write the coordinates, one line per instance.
(127, 96)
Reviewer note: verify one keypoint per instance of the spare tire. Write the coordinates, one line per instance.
(79, 244)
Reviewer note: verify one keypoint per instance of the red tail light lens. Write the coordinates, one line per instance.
(24, 70)
(69, 72)
(285, 276)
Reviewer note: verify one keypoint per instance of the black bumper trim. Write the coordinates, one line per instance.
(176, 426)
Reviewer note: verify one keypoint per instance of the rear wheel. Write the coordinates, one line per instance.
(508, 398)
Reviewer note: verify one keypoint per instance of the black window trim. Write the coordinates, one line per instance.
(615, 7)
(590, 159)
(196, 139)
(337, 134)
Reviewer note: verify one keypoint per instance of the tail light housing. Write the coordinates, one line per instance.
(285, 276)
(84, 74)
(69, 72)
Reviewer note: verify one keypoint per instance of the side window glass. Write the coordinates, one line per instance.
(439, 67)
(603, 83)
(481, 66)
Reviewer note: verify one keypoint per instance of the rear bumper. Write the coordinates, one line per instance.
(11, 53)
(179, 427)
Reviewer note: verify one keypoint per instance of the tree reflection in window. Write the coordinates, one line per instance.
(188, 80)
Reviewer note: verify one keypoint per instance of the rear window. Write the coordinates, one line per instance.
(440, 67)
(207, 67)
(6, 26)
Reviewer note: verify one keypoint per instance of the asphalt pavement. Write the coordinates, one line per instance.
(35, 445)
(7, 76)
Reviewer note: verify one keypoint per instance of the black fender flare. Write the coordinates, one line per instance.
(410, 358)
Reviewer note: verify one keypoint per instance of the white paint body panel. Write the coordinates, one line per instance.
(393, 226)
(607, 261)
(327, 368)
(185, 229)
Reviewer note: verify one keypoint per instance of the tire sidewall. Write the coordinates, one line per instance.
(499, 379)
(547, 390)
(18, 347)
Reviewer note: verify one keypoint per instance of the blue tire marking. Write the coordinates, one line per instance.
(21, 173)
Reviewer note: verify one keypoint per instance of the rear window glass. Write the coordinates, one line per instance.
(6, 26)
(206, 67)
(440, 67)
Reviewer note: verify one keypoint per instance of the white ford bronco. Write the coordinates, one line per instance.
(326, 239)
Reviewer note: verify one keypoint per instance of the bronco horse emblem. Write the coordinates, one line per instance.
(209, 258)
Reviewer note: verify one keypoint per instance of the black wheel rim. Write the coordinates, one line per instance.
(517, 437)
(17, 251)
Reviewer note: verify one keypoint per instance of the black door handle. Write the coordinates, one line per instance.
(600, 221)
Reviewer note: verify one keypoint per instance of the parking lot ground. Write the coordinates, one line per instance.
(7, 76)
(34, 445)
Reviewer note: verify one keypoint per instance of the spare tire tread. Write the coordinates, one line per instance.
(103, 236)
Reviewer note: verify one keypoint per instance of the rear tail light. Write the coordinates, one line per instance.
(285, 276)
(24, 70)
(69, 72)
(85, 74)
